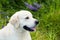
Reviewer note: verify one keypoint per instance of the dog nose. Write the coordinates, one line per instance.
(36, 22)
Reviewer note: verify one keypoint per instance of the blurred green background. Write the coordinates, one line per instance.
(48, 16)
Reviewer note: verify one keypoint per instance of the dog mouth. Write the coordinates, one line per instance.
(29, 28)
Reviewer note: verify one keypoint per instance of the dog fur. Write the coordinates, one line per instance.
(14, 29)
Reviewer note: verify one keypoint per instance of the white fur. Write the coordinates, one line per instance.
(14, 29)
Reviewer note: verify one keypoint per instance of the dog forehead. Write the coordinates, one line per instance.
(25, 13)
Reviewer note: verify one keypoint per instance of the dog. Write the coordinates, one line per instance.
(19, 27)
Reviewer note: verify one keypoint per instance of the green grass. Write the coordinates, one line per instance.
(48, 16)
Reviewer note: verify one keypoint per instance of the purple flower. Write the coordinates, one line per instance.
(2, 26)
(37, 5)
(2, 12)
(30, 6)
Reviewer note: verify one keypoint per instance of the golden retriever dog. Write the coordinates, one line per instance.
(19, 27)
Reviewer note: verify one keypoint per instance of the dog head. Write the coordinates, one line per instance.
(24, 20)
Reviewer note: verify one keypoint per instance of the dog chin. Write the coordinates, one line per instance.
(29, 29)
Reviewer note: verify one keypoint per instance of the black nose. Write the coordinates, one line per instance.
(36, 22)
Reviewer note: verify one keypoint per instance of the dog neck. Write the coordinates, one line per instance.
(23, 35)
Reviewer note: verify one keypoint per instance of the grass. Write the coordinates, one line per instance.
(48, 16)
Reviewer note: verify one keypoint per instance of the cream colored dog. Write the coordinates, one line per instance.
(19, 26)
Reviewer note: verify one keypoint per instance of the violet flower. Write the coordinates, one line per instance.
(30, 7)
(37, 5)
(2, 26)
(2, 12)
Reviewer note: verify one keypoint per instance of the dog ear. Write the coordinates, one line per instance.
(14, 20)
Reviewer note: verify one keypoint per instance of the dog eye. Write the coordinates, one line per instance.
(27, 18)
